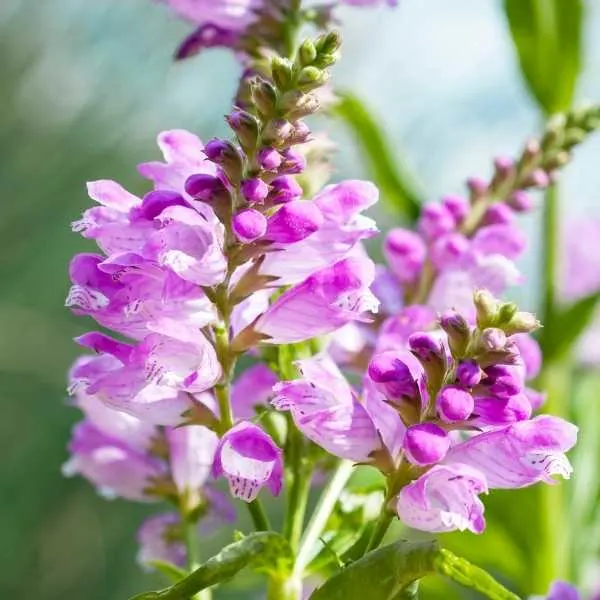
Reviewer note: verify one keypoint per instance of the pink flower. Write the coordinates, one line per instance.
(249, 459)
(327, 411)
(252, 389)
(322, 303)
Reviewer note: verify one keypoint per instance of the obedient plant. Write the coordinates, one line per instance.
(415, 372)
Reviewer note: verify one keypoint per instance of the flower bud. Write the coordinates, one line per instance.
(486, 307)
(506, 312)
(498, 214)
(329, 42)
(269, 159)
(520, 201)
(284, 189)
(307, 52)
(254, 190)
(468, 373)
(296, 104)
(478, 188)
(429, 351)
(206, 188)
(265, 97)
(435, 220)
(393, 376)
(246, 128)
(301, 133)
(226, 155)
(293, 162)
(405, 252)
(457, 206)
(458, 331)
(454, 404)
(447, 251)
(248, 225)
(282, 72)
(277, 132)
(425, 444)
(311, 78)
(537, 178)
(522, 322)
(293, 222)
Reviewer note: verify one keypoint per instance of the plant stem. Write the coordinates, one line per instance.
(383, 524)
(284, 589)
(259, 516)
(193, 559)
(301, 470)
(321, 514)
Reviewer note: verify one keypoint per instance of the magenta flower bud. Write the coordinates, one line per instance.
(203, 187)
(457, 205)
(293, 162)
(216, 149)
(396, 374)
(285, 189)
(520, 201)
(294, 221)
(249, 459)
(425, 345)
(425, 444)
(447, 251)
(436, 220)
(468, 373)
(255, 190)
(249, 225)
(405, 252)
(454, 404)
(498, 214)
(301, 133)
(269, 159)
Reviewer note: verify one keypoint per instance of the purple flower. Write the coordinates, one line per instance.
(249, 225)
(255, 190)
(342, 229)
(561, 590)
(454, 403)
(235, 14)
(520, 455)
(327, 411)
(445, 498)
(294, 222)
(110, 463)
(249, 459)
(153, 380)
(322, 303)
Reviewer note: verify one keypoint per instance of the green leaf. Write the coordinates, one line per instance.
(389, 573)
(265, 552)
(346, 525)
(396, 186)
(570, 323)
(548, 40)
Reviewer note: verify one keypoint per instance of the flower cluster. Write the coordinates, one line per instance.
(446, 418)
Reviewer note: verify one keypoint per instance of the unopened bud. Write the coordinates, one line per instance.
(522, 322)
(254, 190)
(458, 331)
(204, 187)
(265, 97)
(311, 78)
(506, 312)
(329, 42)
(537, 178)
(454, 404)
(282, 72)
(248, 225)
(293, 162)
(531, 152)
(559, 160)
(520, 201)
(307, 53)
(300, 134)
(246, 128)
(277, 132)
(493, 339)
(269, 159)
(468, 373)
(486, 307)
(498, 214)
(296, 104)
(227, 156)
(478, 188)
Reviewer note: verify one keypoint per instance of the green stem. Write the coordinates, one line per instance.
(193, 558)
(381, 527)
(321, 514)
(259, 516)
(301, 470)
(284, 589)
(222, 394)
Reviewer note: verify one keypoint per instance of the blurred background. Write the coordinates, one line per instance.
(85, 87)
